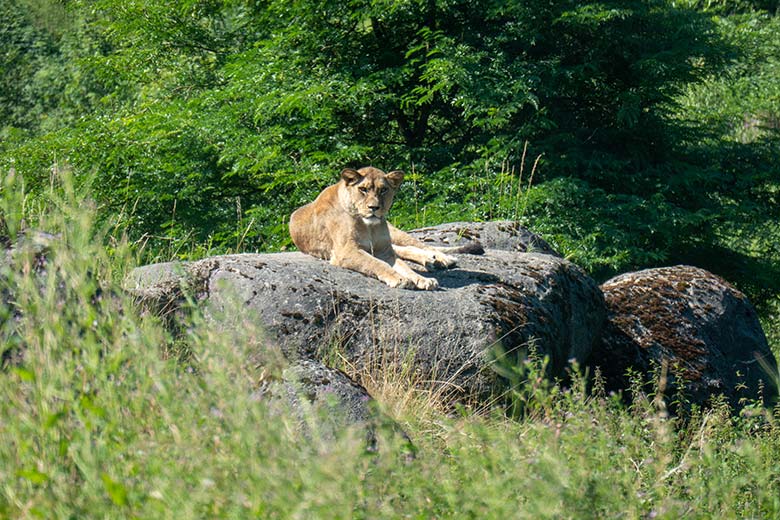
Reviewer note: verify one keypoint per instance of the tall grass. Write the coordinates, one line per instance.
(98, 419)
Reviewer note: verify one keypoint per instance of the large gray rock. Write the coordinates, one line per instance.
(506, 235)
(703, 329)
(30, 244)
(502, 301)
(27, 254)
(326, 403)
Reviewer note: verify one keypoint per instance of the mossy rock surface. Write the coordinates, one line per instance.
(694, 325)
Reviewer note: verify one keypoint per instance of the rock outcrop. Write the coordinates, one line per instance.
(32, 248)
(326, 402)
(505, 235)
(498, 304)
(491, 309)
(699, 326)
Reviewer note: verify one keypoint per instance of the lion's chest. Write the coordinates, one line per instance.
(366, 243)
(374, 239)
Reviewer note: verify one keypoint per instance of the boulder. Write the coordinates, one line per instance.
(505, 235)
(27, 254)
(32, 244)
(497, 305)
(702, 329)
(326, 402)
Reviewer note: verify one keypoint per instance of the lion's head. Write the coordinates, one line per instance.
(368, 192)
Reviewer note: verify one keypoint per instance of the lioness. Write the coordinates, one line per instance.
(346, 224)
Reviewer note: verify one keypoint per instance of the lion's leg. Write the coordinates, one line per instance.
(402, 238)
(409, 248)
(428, 257)
(421, 282)
(412, 254)
(362, 262)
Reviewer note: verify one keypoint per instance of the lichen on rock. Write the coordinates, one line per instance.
(695, 324)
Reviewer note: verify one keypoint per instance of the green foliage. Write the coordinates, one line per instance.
(740, 107)
(201, 125)
(27, 47)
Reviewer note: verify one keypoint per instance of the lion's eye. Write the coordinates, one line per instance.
(363, 190)
(383, 191)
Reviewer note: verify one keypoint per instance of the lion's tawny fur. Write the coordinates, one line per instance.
(347, 225)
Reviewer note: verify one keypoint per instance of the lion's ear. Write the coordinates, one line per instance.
(395, 178)
(351, 176)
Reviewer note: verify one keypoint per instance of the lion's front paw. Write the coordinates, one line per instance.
(426, 284)
(401, 283)
(441, 261)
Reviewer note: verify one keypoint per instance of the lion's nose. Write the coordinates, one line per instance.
(373, 206)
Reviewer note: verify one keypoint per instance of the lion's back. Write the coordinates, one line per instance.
(309, 227)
